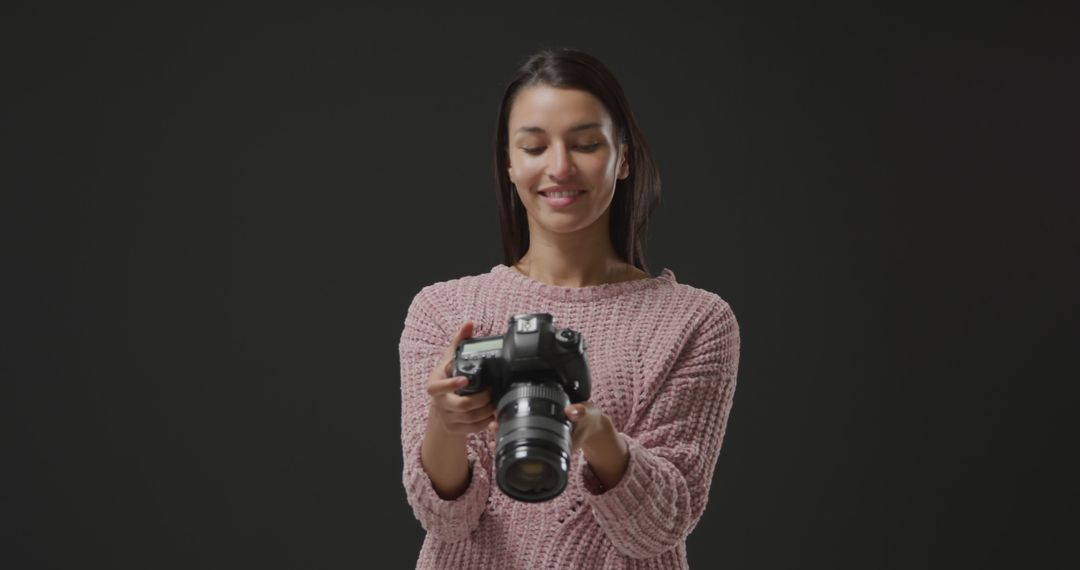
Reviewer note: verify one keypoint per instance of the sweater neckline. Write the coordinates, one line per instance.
(507, 274)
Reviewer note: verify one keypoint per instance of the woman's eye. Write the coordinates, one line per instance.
(540, 149)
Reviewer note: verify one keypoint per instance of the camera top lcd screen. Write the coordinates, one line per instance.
(482, 346)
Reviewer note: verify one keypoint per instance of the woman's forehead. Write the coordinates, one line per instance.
(543, 109)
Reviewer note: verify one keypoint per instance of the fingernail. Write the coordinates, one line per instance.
(574, 412)
(461, 381)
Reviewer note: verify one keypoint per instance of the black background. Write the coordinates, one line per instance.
(213, 220)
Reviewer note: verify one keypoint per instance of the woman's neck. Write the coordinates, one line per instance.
(572, 264)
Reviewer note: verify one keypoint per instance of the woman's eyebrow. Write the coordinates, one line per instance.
(575, 128)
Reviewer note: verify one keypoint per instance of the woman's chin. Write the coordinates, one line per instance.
(563, 222)
(567, 226)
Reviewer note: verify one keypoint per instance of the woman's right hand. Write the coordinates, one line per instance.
(450, 412)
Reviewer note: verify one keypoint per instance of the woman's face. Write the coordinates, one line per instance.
(563, 140)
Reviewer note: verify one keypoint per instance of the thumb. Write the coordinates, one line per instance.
(464, 331)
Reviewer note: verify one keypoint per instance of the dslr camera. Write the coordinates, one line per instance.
(534, 371)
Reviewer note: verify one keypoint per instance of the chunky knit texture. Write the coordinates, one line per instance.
(663, 358)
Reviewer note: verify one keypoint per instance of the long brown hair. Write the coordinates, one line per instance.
(635, 196)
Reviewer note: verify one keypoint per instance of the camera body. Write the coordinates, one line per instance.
(533, 371)
(531, 349)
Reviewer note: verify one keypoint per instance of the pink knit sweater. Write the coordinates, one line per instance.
(663, 358)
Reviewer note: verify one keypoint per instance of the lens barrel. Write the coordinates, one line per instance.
(532, 453)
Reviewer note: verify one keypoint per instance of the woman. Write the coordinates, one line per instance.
(576, 183)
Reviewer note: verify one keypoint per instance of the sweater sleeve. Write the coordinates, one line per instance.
(675, 446)
(423, 341)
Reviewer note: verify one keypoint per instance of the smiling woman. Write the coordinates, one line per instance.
(565, 125)
(575, 184)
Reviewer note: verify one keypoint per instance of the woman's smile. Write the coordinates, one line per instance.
(560, 196)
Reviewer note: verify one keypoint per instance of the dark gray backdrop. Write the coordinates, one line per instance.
(213, 220)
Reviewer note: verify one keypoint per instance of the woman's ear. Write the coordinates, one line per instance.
(624, 166)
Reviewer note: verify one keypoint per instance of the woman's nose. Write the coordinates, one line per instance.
(560, 163)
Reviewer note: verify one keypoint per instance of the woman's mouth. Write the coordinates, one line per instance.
(562, 198)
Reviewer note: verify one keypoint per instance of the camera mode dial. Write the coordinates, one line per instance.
(570, 339)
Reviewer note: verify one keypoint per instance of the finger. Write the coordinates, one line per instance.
(471, 417)
(476, 426)
(468, 402)
(447, 360)
(464, 331)
(439, 387)
(574, 412)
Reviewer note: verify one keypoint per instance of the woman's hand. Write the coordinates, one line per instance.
(451, 417)
(592, 428)
(450, 412)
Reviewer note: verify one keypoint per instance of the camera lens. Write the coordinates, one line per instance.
(532, 456)
(531, 476)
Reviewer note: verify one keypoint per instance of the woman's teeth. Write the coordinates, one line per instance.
(563, 194)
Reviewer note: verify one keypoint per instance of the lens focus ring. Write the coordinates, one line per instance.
(545, 391)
